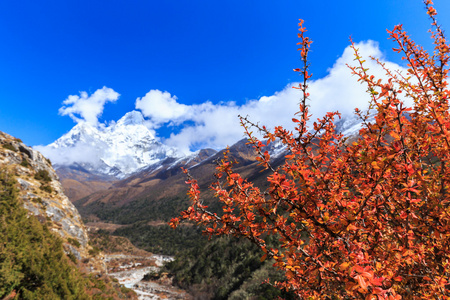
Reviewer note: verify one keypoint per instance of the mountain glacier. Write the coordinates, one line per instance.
(118, 150)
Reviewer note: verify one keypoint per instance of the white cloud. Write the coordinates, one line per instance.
(339, 90)
(217, 125)
(161, 107)
(88, 108)
(82, 153)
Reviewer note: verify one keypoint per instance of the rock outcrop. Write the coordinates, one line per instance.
(43, 196)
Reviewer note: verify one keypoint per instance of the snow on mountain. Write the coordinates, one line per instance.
(128, 146)
(350, 125)
(119, 149)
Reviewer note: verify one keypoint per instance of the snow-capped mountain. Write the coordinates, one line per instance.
(119, 149)
(128, 146)
(350, 125)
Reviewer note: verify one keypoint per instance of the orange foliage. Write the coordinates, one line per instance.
(368, 219)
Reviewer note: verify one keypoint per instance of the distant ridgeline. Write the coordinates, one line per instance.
(42, 238)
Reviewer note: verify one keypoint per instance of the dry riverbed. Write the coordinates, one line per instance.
(130, 270)
(129, 264)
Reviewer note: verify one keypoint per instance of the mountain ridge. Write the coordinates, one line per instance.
(118, 150)
(162, 177)
(92, 158)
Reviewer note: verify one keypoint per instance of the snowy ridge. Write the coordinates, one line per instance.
(128, 146)
(119, 149)
(351, 125)
(348, 126)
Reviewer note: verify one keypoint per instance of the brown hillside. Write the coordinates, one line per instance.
(148, 187)
(79, 183)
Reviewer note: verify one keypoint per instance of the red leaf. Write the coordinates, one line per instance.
(362, 283)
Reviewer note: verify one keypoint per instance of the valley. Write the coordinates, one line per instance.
(256, 153)
(131, 266)
(131, 270)
(126, 206)
(137, 206)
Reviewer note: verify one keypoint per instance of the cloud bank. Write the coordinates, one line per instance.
(81, 153)
(217, 125)
(88, 108)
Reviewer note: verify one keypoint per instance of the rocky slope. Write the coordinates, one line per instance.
(79, 182)
(43, 196)
(44, 247)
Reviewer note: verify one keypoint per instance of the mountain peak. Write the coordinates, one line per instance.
(132, 118)
(119, 149)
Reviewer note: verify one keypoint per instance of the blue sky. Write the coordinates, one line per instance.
(217, 57)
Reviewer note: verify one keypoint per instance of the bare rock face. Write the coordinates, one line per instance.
(43, 196)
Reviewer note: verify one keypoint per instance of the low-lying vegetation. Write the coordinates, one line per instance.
(33, 264)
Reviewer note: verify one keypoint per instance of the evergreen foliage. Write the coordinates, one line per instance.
(24, 163)
(32, 261)
(142, 209)
(9, 147)
(226, 268)
(162, 239)
(46, 188)
(42, 175)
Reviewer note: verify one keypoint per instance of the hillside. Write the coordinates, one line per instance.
(225, 268)
(146, 201)
(44, 249)
(42, 193)
(79, 182)
(157, 195)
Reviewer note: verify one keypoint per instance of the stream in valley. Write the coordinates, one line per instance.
(130, 271)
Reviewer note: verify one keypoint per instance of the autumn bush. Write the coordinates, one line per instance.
(361, 219)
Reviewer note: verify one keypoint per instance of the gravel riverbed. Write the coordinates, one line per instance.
(130, 270)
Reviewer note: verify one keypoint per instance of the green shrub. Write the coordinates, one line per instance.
(94, 251)
(226, 267)
(25, 163)
(74, 242)
(152, 275)
(46, 188)
(10, 147)
(72, 257)
(161, 239)
(37, 200)
(32, 261)
(124, 289)
(42, 175)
